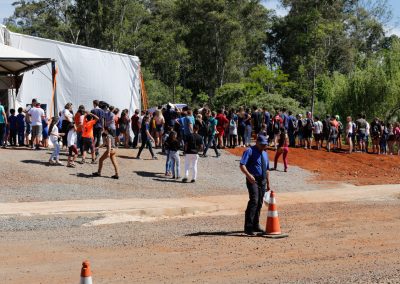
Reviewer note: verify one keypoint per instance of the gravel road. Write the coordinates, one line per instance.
(25, 176)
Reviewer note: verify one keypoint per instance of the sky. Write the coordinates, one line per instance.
(6, 9)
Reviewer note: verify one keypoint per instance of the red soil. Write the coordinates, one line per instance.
(356, 168)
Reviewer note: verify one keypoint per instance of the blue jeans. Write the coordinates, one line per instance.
(56, 151)
(175, 163)
(247, 135)
(211, 139)
(168, 162)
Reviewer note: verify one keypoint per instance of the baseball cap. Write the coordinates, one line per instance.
(262, 140)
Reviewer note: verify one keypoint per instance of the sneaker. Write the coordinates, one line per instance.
(96, 174)
(93, 162)
(115, 177)
(82, 161)
(193, 180)
(184, 180)
(58, 163)
(155, 158)
(250, 233)
(178, 177)
(51, 162)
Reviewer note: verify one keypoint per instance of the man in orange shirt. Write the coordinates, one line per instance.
(89, 121)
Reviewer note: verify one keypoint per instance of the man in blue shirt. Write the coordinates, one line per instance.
(255, 166)
(98, 127)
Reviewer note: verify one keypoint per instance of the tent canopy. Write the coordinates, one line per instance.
(15, 61)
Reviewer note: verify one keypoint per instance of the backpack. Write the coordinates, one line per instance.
(340, 127)
(277, 125)
(232, 123)
(293, 123)
(375, 130)
(310, 124)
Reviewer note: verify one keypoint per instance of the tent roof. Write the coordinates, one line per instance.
(15, 61)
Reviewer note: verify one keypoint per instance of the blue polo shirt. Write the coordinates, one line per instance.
(2, 120)
(252, 160)
(188, 120)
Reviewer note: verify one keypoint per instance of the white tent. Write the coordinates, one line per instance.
(84, 74)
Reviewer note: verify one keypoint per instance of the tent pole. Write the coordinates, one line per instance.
(53, 71)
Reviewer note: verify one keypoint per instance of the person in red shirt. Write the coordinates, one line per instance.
(78, 120)
(222, 123)
(89, 121)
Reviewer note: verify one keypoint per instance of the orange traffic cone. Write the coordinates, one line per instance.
(273, 228)
(86, 274)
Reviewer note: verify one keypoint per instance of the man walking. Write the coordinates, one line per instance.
(255, 166)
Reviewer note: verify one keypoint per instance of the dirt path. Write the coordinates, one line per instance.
(352, 242)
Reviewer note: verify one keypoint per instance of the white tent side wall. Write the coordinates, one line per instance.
(84, 74)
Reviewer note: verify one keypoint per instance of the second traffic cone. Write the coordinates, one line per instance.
(86, 274)
(273, 228)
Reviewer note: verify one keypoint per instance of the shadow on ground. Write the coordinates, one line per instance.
(220, 233)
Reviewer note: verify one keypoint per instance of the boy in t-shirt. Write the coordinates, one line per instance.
(21, 127)
(12, 124)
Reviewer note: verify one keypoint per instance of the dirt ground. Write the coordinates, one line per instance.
(340, 167)
(327, 243)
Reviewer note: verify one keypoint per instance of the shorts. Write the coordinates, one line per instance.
(349, 135)
(36, 130)
(361, 136)
(28, 129)
(45, 133)
(159, 128)
(221, 131)
(318, 136)
(87, 144)
(333, 140)
(307, 134)
(72, 149)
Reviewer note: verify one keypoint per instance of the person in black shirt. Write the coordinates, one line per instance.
(193, 146)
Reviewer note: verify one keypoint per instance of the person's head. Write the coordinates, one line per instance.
(12, 111)
(364, 116)
(333, 117)
(54, 121)
(89, 117)
(34, 101)
(359, 115)
(37, 104)
(308, 114)
(146, 118)
(283, 109)
(111, 108)
(81, 109)
(168, 106)
(173, 135)
(189, 112)
(213, 114)
(199, 116)
(95, 103)
(300, 116)
(263, 126)
(316, 118)
(219, 111)
(71, 126)
(290, 112)
(137, 111)
(20, 110)
(337, 117)
(116, 111)
(68, 106)
(349, 119)
(254, 107)
(261, 142)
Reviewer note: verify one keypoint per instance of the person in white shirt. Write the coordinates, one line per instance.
(66, 119)
(37, 114)
(72, 140)
(349, 133)
(318, 134)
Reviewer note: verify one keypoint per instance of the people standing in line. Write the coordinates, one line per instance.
(172, 146)
(109, 120)
(233, 129)
(340, 131)
(241, 127)
(254, 164)
(123, 123)
(109, 144)
(135, 125)
(211, 133)
(37, 114)
(12, 125)
(116, 120)
(72, 139)
(147, 139)
(384, 138)
(21, 127)
(367, 133)
(89, 121)
(318, 133)
(256, 119)
(349, 134)
(3, 123)
(397, 135)
(98, 126)
(193, 146)
(221, 126)
(283, 149)
(55, 140)
(333, 135)
(376, 133)
(308, 130)
(391, 138)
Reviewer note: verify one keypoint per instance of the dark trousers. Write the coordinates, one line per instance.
(145, 141)
(241, 134)
(232, 141)
(136, 138)
(21, 137)
(13, 137)
(211, 140)
(2, 132)
(79, 142)
(292, 138)
(256, 195)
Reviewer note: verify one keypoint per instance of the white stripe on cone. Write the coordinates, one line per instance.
(272, 214)
(86, 280)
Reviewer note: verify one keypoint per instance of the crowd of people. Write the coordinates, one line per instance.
(189, 131)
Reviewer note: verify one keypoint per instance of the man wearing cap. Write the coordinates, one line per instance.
(255, 166)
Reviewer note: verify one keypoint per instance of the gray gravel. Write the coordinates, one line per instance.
(25, 176)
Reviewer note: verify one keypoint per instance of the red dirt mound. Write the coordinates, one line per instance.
(356, 168)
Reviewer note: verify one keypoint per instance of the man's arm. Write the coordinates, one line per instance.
(248, 175)
(268, 187)
(5, 117)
